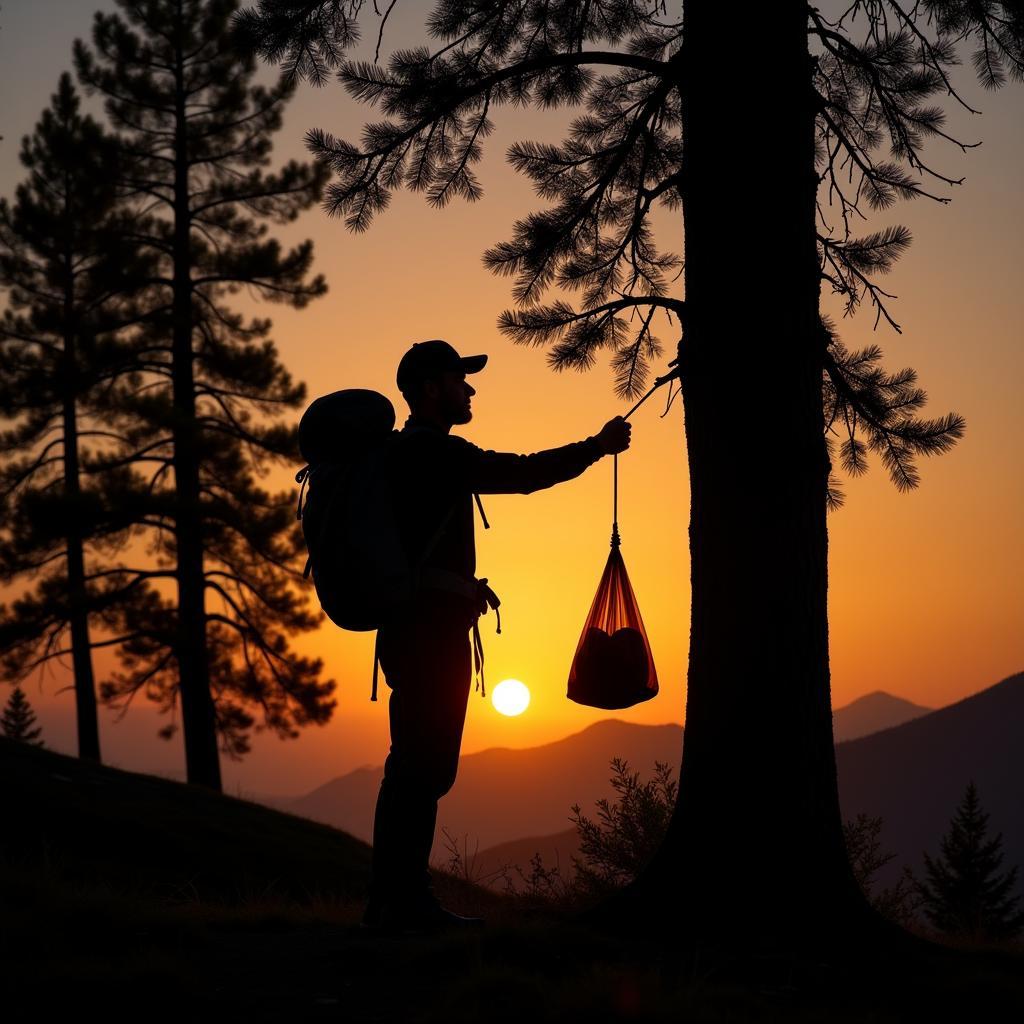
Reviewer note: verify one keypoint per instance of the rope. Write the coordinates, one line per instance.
(658, 381)
(615, 502)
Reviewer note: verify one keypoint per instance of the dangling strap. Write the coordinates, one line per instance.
(479, 505)
(301, 478)
(377, 662)
(478, 658)
(489, 599)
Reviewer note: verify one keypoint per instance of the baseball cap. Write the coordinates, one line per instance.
(427, 358)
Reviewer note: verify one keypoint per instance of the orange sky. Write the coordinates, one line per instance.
(926, 589)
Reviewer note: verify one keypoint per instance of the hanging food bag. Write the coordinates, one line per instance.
(613, 667)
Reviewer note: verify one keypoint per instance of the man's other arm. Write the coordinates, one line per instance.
(491, 472)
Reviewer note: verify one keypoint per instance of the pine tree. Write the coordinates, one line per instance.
(71, 276)
(963, 892)
(742, 122)
(198, 133)
(18, 721)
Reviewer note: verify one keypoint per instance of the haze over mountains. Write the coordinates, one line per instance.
(912, 775)
(911, 769)
(504, 794)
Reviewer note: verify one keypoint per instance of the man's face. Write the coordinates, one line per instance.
(453, 393)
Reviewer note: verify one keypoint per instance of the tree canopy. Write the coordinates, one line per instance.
(879, 68)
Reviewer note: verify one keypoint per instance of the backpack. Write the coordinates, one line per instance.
(360, 569)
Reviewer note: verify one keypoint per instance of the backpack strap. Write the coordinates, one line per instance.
(301, 478)
(480, 505)
(416, 573)
(376, 663)
(432, 543)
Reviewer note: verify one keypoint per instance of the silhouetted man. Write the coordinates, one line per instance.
(425, 650)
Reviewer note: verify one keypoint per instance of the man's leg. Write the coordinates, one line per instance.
(427, 664)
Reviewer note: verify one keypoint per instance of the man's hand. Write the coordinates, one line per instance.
(614, 436)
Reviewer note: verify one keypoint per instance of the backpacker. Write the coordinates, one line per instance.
(360, 568)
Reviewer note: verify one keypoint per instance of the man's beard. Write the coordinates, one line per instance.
(460, 413)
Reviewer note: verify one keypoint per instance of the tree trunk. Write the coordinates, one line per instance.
(754, 852)
(202, 761)
(78, 607)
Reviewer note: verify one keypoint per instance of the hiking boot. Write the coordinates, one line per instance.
(372, 915)
(441, 919)
(416, 918)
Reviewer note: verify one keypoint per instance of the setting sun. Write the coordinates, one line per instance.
(511, 697)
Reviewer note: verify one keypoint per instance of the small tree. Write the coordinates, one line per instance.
(964, 893)
(18, 721)
(862, 836)
(621, 842)
(70, 274)
(614, 849)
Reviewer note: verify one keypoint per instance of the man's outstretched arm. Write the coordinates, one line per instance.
(490, 472)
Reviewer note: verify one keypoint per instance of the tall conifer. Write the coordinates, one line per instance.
(71, 277)
(197, 129)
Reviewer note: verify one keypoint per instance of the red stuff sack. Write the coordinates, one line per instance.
(613, 666)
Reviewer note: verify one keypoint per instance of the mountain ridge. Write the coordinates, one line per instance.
(549, 778)
(903, 774)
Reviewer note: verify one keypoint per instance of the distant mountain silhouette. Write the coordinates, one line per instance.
(503, 795)
(873, 713)
(912, 775)
(915, 774)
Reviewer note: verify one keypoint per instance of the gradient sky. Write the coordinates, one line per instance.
(926, 593)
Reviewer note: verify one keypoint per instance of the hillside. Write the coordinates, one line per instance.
(128, 895)
(161, 838)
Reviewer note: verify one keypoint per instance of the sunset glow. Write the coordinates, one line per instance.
(511, 697)
(924, 587)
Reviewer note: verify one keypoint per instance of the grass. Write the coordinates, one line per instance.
(132, 895)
